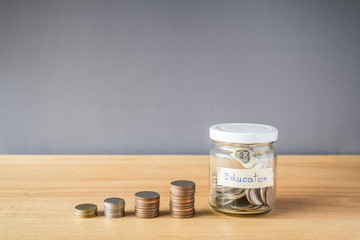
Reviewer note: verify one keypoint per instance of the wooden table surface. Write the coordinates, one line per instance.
(318, 197)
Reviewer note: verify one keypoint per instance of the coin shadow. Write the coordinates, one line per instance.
(199, 213)
(164, 213)
(283, 207)
(130, 213)
(286, 206)
(161, 213)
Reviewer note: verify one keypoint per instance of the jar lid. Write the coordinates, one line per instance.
(243, 133)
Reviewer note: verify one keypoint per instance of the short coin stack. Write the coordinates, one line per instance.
(86, 210)
(114, 207)
(182, 199)
(147, 204)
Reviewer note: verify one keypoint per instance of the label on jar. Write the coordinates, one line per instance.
(247, 159)
(245, 178)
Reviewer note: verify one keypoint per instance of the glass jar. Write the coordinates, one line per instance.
(243, 168)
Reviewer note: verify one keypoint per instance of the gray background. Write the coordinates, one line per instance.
(150, 77)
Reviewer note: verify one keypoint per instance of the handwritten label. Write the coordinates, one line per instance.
(245, 178)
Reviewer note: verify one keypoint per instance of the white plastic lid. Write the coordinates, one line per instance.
(243, 133)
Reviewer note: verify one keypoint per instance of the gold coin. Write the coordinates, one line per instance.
(85, 208)
(86, 215)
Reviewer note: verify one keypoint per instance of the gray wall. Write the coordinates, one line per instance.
(150, 77)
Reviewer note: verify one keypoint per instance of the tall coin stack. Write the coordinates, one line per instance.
(86, 210)
(182, 199)
(147, 204)
(114, 207)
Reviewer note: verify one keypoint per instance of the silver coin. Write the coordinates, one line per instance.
(270, 198)
(253, 196)
(247, 193)
(109, 206)
(114, 209)
(262, 208)
(238, 193)
(222, 189)
(114, 201)
(241, 204)
(255, 207)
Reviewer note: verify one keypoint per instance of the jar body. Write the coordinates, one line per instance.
(242, 178)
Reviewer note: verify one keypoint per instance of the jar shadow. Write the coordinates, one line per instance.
(285, 206)
(199, 213)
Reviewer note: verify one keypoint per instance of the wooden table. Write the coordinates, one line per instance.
(318, 197)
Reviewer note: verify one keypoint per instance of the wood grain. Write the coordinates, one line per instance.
(318, 197)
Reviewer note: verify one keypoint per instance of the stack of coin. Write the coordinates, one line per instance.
(147, 204)
(114, 207)
(86, 210)
(182, 199)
